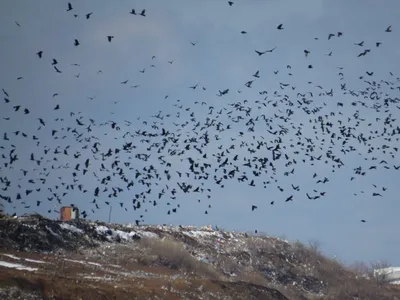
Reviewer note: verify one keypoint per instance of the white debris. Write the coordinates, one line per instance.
(16, 266)
(70, 227)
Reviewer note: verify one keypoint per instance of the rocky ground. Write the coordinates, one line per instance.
(47, 259)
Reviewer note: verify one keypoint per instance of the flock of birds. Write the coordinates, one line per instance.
(199, 146)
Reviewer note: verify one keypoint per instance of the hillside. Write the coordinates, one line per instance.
(47, 259)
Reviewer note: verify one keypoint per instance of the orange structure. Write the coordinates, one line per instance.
(69, 213)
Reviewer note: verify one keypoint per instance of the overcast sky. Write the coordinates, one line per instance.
(222, 58)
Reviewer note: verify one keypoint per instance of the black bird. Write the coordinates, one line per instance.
(76, 42)
(88, 15)
(143, 13)
(133, 12)
(266, 51)
(253, 207)
(58, 71)
(280, 27)
(69, 7)
(110, 37)
(389, 29)
(39, 53)
(289, 199)
(230, 3)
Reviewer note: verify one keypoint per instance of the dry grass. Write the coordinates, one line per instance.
(172, 254)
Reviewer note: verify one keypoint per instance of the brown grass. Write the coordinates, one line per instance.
(172, 254)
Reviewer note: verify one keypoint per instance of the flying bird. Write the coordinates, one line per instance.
(109, 38)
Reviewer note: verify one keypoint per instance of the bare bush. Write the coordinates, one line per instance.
(361, 269)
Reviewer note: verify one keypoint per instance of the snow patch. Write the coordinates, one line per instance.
(83, 262)
(70, 227)
(16, 266)
(11, 256)
(35, 261)
(113, 234)
(148, 234)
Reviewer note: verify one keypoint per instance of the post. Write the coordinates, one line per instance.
(109, 215)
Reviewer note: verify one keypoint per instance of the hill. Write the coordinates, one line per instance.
(47, 259)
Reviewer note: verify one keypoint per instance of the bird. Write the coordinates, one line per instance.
(266, 51)
(194, 86)
(39, 54)
(88, 15)
(109, 38)
(69, 6)
(230, 3)
(143, 13)
(389, 28)
(132, 12)
(253, 207)
(280, 27)
(76, 42)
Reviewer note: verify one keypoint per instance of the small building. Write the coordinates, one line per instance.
(69, 213)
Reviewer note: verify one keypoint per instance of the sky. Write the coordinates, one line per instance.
(222, 58)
